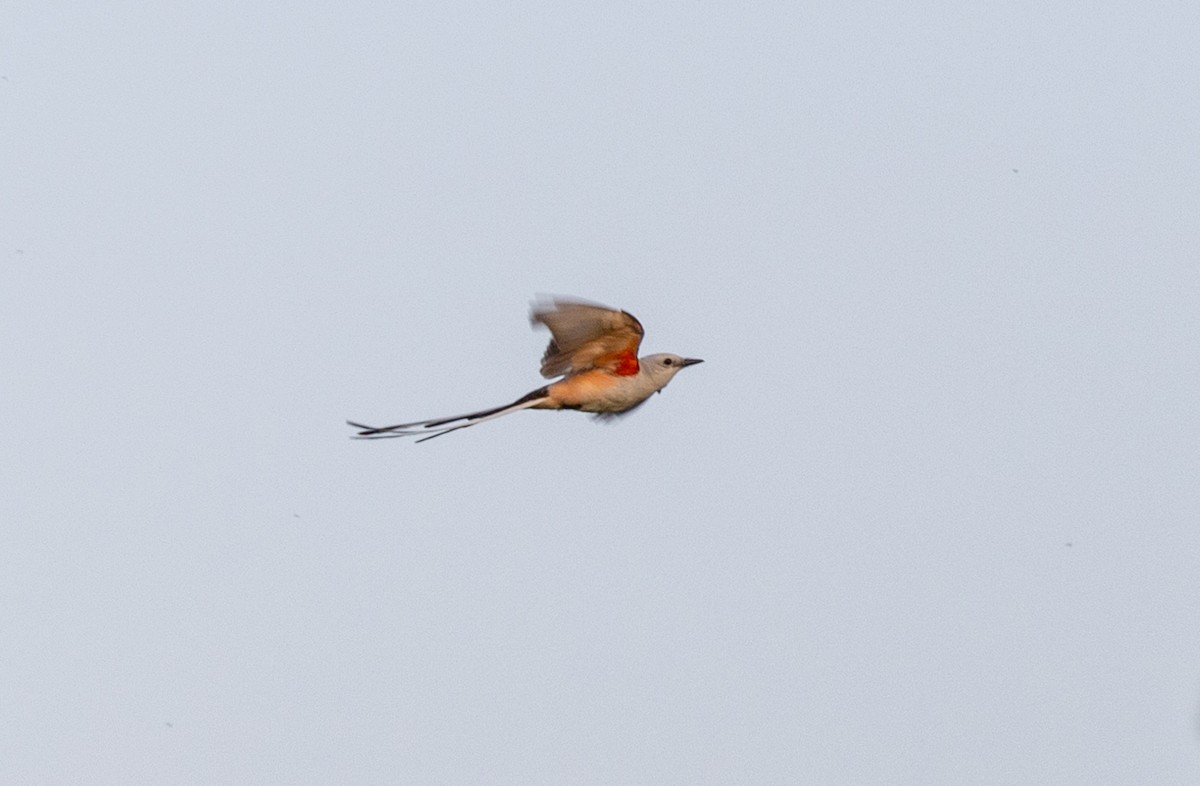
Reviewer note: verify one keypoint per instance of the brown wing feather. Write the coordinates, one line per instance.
(587, 335)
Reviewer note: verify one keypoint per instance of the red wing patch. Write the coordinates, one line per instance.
(623, 363)
(626, 365)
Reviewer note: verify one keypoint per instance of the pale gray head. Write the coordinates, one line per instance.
(662, 367)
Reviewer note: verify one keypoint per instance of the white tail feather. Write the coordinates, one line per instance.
(428, 429)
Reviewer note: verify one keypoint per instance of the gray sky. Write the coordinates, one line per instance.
(928, 514)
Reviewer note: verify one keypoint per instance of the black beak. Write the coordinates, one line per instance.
(690, 362)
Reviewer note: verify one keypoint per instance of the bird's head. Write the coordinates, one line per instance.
(662, 367)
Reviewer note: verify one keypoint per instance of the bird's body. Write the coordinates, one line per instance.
(594, 349)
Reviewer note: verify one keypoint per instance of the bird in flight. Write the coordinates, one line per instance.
(593, 348)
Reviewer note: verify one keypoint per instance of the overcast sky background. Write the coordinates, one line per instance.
(928, 514)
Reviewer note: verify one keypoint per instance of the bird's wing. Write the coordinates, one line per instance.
(587, 335)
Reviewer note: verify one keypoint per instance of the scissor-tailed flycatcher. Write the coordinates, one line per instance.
(593, 348)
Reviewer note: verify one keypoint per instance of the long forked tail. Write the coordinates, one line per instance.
(428, 429)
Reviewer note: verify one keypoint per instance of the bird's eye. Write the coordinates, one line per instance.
(668, 362)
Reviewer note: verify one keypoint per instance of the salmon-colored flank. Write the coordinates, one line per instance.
(577, 390)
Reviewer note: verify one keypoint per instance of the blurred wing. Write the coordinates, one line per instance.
(587, 335)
